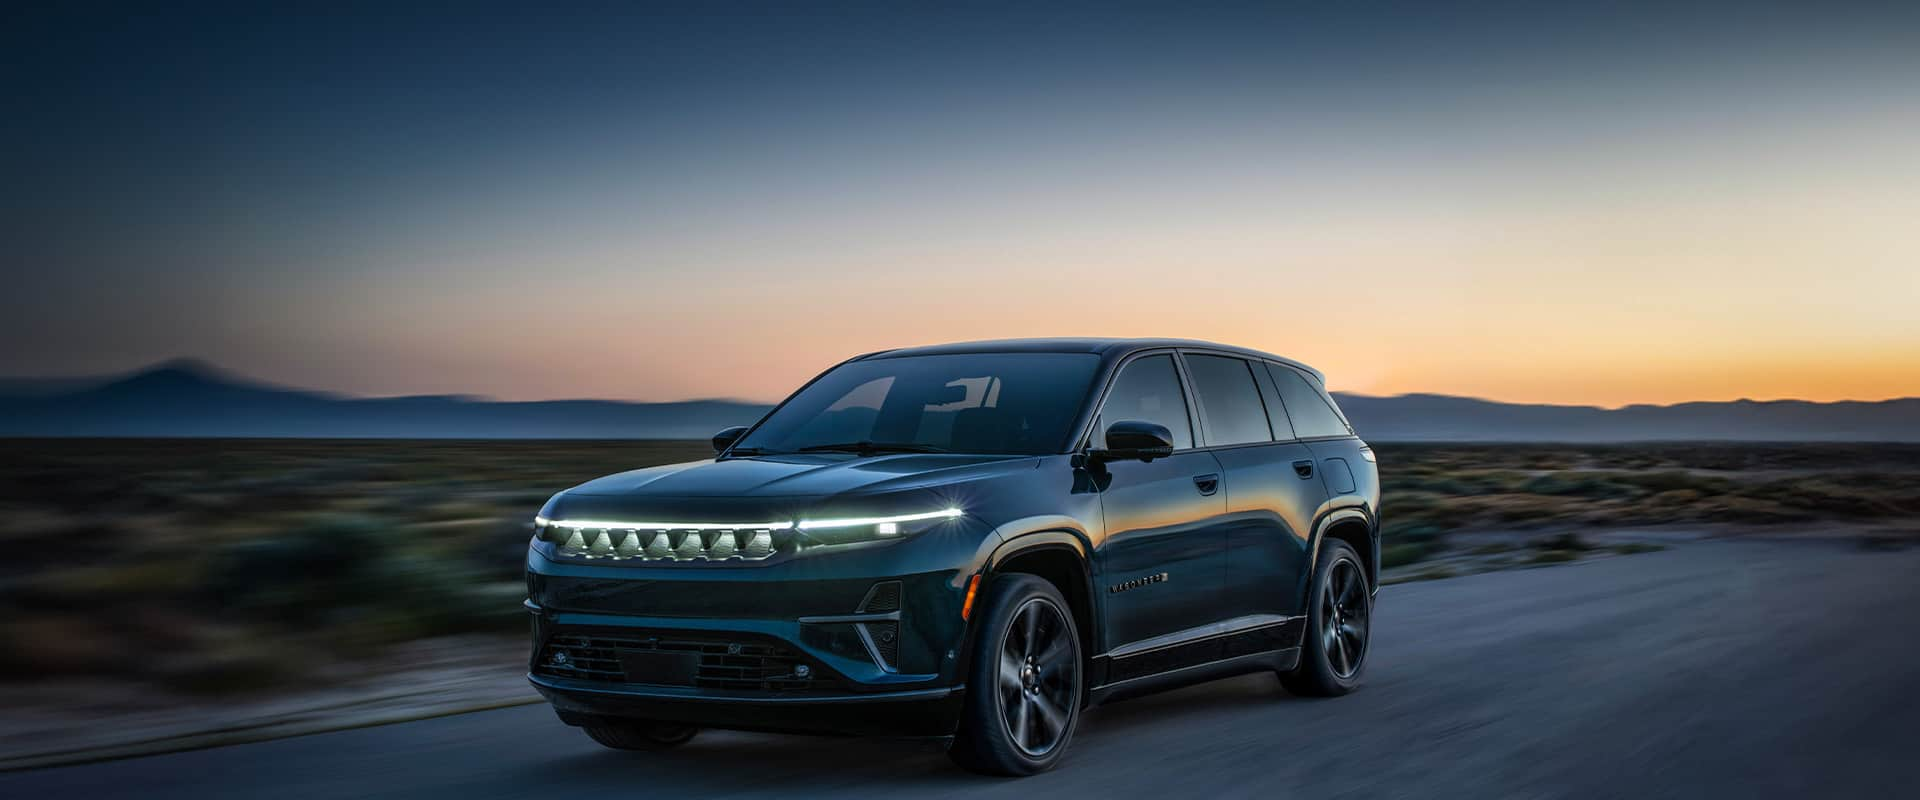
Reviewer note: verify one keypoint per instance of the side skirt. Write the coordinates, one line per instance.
(1193, 647)
(1273, 660)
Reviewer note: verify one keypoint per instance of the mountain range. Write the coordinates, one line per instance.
(194, 399)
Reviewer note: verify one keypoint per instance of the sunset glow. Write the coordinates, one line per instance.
(1518, 210)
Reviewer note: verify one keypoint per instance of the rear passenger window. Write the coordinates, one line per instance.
(1311, 414)
(1276, 410)
(1148, 390)
(1229, 400)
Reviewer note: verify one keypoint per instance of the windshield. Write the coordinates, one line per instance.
(1019, 403)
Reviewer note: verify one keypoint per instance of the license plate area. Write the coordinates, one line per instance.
(660, 669)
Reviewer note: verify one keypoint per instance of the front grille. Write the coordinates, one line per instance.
(623, 544)
(718, 663)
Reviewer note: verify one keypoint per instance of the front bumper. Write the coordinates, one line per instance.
(929, 712)
(879, 633)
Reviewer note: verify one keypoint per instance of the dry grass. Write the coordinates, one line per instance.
(220, 566)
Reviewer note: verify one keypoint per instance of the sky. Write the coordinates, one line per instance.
(1608, 204)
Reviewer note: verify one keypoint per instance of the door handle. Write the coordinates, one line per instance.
(1208, 483)
(1304, 469)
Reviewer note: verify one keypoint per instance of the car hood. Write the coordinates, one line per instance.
(801, 476)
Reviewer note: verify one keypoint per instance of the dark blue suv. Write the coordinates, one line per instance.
(971, 542)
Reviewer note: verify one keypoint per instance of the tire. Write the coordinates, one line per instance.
(1333, 651)
(1015, 686)
(640, 734)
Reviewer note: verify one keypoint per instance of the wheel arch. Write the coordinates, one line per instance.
(1357, 527)
(1060, 558)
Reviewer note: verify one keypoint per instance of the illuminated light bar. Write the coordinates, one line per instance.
(852, 522)
(620, 540)
(620, 525)
(805, 524)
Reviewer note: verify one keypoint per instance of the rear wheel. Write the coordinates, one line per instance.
(1023, 688)
(1339, 624)
(640, 734)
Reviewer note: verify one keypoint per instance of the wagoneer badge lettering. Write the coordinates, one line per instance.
(1137, 583)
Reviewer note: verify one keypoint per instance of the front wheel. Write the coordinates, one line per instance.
(1339, 624)
(1023, 688)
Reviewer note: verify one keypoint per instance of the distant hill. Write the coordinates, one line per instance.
(1432, 417)
(186, 398)
(190, 398)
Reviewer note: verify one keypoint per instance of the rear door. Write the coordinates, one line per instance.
(1341, 458)
(1273, 490)
(1162, 562)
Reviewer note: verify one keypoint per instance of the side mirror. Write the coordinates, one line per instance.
(726, 437)
(1131, 439)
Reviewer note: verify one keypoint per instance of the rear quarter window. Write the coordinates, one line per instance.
(1308, 405)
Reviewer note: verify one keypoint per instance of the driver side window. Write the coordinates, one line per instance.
(1148, 390)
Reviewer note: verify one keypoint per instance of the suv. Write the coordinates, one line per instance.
(969, 542)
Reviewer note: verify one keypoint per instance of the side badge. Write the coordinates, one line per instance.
(1137, 583)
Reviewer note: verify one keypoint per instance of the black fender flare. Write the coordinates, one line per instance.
(1062, 539)
(1334, 517)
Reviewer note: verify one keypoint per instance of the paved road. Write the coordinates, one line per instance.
(1719, 668)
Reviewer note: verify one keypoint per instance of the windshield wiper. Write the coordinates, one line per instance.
(872, 448)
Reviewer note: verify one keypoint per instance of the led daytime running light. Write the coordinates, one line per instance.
(855, 522)
(804, 525)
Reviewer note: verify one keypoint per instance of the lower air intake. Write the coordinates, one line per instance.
(716, 663)
(883, 597)
(885, 642)
(882, 638)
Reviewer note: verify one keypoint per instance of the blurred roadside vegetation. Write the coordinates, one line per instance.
(1431, 491)
(225, 566)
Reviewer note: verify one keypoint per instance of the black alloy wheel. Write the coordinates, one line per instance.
(1024, 684)
(1339, 625)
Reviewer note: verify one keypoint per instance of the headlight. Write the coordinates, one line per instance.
(846, 530)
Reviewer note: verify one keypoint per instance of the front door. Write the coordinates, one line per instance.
(1162, 563)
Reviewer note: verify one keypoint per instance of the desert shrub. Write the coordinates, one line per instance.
(1578, 485)
(1416, 533)
(348, 572)
(229, 669)
(1675, 480)
(1404, 553)
(500, 553)
(1561, 541)
(1676, 497)
(1554, 556)
(38, 646)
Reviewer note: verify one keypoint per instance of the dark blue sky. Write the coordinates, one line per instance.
(533, 203)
